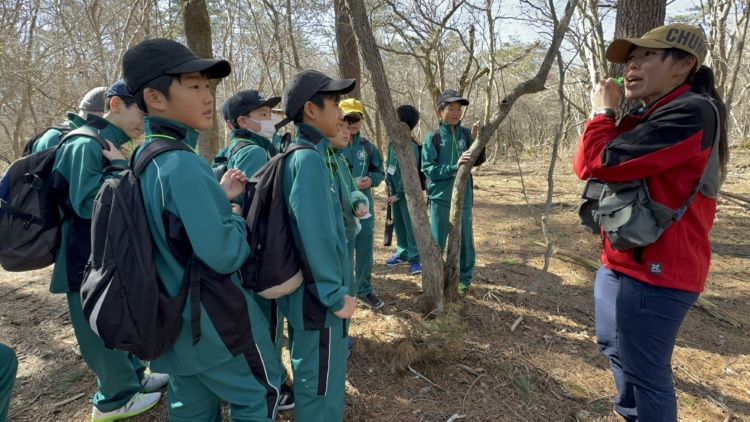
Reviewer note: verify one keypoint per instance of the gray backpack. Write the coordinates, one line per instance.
(631, 219)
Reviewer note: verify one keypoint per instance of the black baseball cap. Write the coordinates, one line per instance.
(225, 111)
(451, 96)
(246, 101)
(156, 57)
(305, 84)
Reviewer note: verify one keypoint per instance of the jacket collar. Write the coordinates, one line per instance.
(161, 127)
(313, 136)
(108, 130)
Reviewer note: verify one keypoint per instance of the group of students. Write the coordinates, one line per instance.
(192, 209)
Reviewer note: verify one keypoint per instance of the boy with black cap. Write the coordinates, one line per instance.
(440, 161)
(189, 213)
(367, 168)
(92, 102)
(77, 175)
(406, 244)
(318, 313)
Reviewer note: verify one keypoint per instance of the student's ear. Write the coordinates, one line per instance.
(685, 65)
(114, 104)
(154, 99)
(437, 113)
(310, 110)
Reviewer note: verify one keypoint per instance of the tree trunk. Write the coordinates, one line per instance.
(432, 261)
(346, 47)
(635, 18)
(198, 36)
(535, 84)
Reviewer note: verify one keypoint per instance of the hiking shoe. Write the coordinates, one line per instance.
(349, 346)
(462, 288)
(152, 382)
(371, 301)
(415, 268)
(395, 260)
(286, 397)
(135, 406)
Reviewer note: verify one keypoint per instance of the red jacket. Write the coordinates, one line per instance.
(668, 144)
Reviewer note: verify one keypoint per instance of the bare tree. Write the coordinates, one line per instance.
(346, 46)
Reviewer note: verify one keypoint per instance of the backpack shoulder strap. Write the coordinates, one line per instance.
(238, 146)
(368, 147)
(82, 131)
(436, 141)
(154, 148)
(296, 147)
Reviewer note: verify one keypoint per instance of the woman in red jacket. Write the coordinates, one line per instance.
(643, 294)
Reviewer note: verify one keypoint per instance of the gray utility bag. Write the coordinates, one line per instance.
(631, 219)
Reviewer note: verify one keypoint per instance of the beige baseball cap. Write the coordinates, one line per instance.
(684, 37)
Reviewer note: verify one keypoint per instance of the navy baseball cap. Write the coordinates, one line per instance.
(147, 60)
(118, 89)
(225, 111)
(451, 96)
(304, 85)
(246, 101)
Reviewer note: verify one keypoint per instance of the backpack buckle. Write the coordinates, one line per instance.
(26, 224)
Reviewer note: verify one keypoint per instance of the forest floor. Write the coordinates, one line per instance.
(478, 364)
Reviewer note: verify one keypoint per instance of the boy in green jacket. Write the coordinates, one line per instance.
(77, 175)
(91, 103)
(440, 164)
(406, 244)
(367, 168)
(189, 213)
(318, 312)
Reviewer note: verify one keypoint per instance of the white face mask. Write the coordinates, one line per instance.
(267, 128)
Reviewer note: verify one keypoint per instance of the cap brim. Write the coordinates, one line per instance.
(342, 86)
(271, 102)
(214, 68)
(618, 51)
(462, 100)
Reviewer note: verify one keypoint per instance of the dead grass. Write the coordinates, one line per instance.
(470, 362)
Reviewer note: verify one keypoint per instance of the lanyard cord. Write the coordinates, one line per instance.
(156, 135)
(344, 185)
(366, 160)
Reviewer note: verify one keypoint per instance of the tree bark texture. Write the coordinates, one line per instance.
(535, 84)
(432, 262)
(198, 36)
(346, 47)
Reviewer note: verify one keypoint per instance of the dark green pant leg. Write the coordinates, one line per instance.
(468, 254)
(8, 369)
(405, 239)
(118, 379)
(363, 259)
(243, 382)
(440, 225)
(319, 366)
(277, 327)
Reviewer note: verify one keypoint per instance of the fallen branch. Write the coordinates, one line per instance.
(717, 312)
(64, 402)
(583, 261)
(735, 196)
(515, 324)
(463, 403)
(707, 392)
(426, 379)
(455, 417)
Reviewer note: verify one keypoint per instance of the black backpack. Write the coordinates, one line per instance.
(122, 296)
(467, 134)
(29, 147)
(276, 266)
(30, 219)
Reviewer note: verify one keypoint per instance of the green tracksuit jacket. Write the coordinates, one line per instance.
(441, 168)
(52, 136)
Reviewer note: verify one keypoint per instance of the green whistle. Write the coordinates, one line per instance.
(619, 80)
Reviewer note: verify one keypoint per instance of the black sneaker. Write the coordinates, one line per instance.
(371, 301)
(286, 397)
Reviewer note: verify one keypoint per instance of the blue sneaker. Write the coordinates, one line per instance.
(395, 260)
(415, 268)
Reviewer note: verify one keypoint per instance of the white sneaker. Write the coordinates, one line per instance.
(152, 382)
(135, 406)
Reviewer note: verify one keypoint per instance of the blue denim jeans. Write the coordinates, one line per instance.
(636, 328)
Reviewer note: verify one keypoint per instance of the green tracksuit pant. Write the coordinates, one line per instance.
(440, 224)
(319, 361)
(276, 324)
(198, 397)
(8, 368)
(119, 373)
(406, 243)
(364, 249)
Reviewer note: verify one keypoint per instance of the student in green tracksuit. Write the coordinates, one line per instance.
(249, 113)
(91, 103)
(441, 169)
(318, 312)
(406, 244)
(77, 175)
(189, 213)
(367, 168)
(8, 368)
